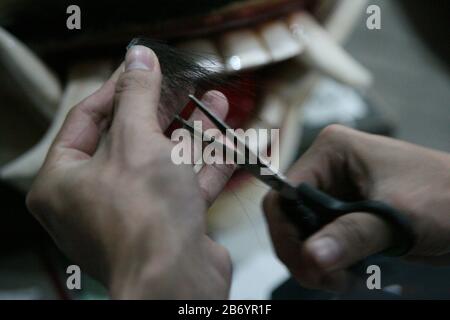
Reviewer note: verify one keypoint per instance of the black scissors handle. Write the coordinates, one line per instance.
(314, 209)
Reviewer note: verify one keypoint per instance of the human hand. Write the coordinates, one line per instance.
(352, 165)
(114, 202)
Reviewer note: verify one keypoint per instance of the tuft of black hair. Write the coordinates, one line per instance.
(181, 70)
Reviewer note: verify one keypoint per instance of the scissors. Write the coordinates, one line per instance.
(308, 208)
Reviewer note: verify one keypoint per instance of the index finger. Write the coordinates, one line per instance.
(85, 122)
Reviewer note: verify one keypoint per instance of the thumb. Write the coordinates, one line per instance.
(138, 92)
(346, 241)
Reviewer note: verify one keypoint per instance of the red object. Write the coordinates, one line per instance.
(241, 94)
(242, 97)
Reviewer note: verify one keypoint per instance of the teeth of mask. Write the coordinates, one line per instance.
(279, 41)
(208, 55)
(243, 49)
(30, 74)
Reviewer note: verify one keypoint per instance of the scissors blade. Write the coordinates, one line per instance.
(229, 133)
(273, 179)
(260, 170)
(221, 125)
(224, 129)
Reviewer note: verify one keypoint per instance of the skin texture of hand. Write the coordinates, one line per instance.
(352, 165)
(114, 202)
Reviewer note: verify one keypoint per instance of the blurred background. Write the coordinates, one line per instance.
(393, 81)
(410, 60)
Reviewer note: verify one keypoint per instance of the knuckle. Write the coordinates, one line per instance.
(224, 255)
(74, 111)
(332, 132)
(351, 232)
(224, 262)
(38, 199)
(33, 200)
(133, 80)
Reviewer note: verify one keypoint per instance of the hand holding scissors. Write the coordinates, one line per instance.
(308, 212)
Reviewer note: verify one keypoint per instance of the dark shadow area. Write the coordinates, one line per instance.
(19, 229)
(430, 20)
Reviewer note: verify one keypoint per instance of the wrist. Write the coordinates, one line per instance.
(138, 278)
(145, 267)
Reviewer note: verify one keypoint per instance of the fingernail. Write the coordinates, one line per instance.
(207, 98)
(139, 57)
(210, 96)
(326, 252)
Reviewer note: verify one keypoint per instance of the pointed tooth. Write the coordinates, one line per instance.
(261, 145)
(272, 111)
(207, 52)
(84, 81)
(322, 52)
(242, 50)
(345, 15)
(30, 73)
(291, 136)
(271, 116)
(280, 41)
